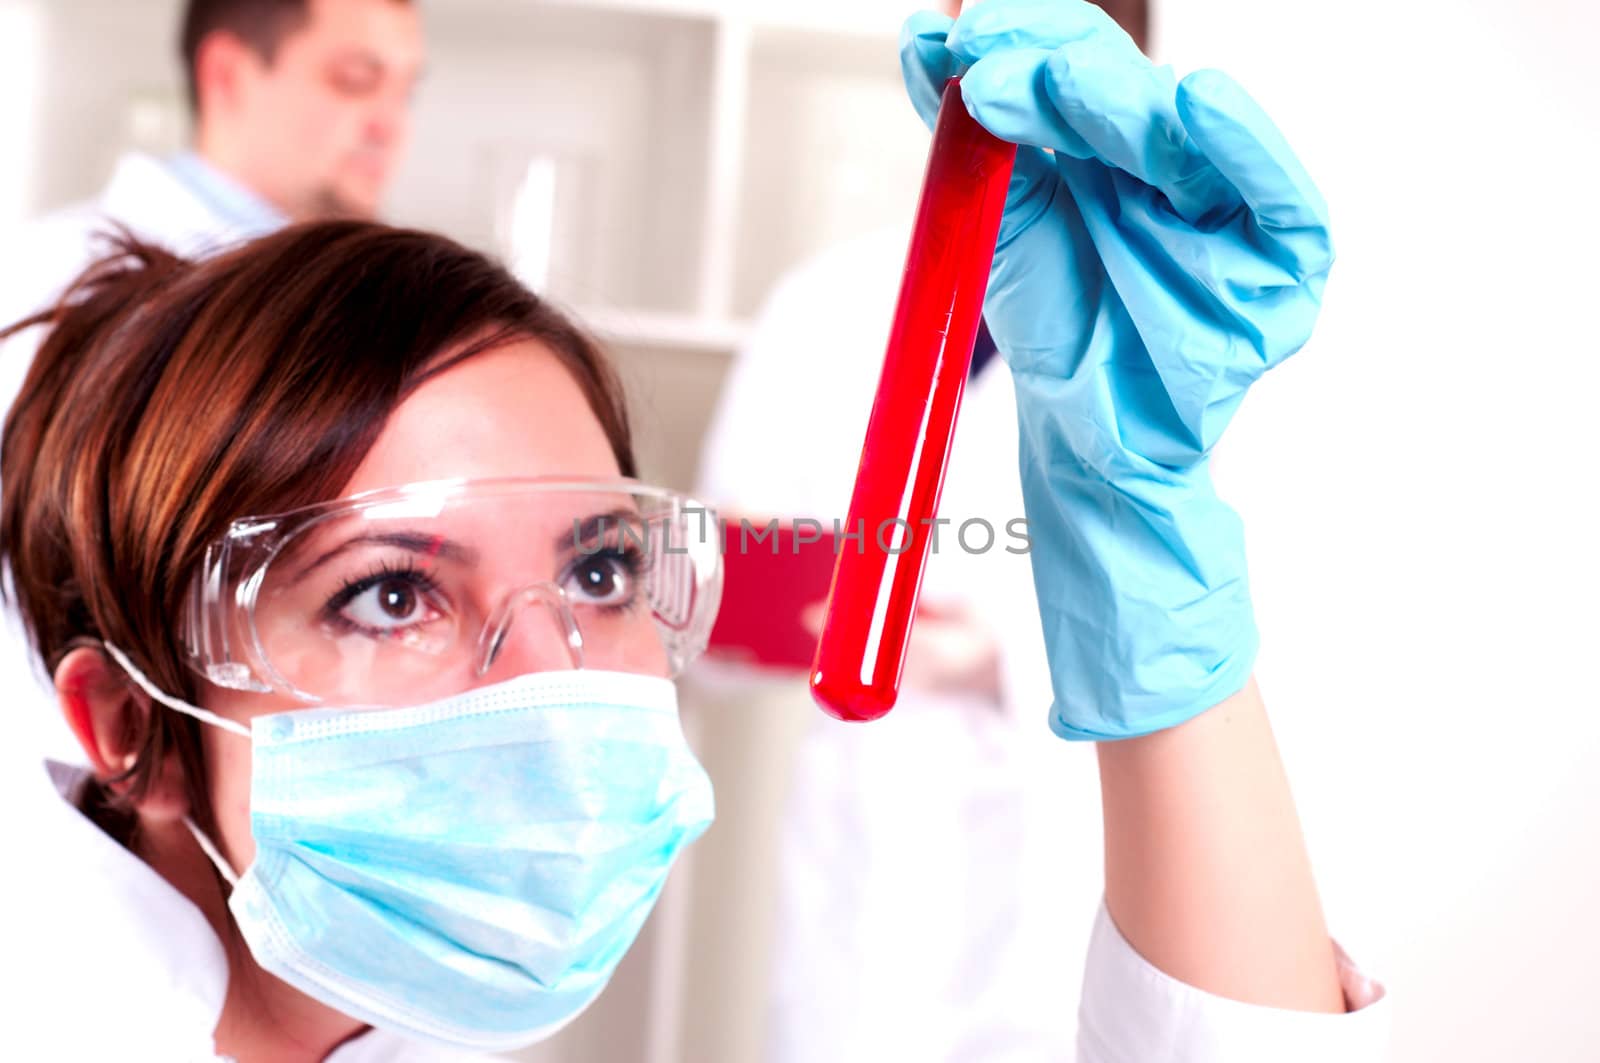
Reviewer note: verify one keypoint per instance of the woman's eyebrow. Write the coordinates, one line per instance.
(411, 542)
(592, 529)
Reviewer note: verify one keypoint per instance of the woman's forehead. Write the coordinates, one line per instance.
(513, 411)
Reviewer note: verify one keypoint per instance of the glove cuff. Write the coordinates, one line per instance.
(1143, 594)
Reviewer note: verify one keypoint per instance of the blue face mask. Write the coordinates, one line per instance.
(469, 871)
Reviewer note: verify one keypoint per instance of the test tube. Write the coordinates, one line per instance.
(876, 578)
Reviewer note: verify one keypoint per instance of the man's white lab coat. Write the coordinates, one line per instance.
(941, 867)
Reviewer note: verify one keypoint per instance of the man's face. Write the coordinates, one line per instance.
(324, 125)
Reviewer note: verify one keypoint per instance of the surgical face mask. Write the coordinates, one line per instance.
(470, 870)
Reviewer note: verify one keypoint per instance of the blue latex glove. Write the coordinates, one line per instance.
(1169, 252)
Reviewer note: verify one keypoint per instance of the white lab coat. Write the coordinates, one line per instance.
(38, 259)
(108, 961)
(940, 866)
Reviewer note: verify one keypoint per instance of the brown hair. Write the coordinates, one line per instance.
(171, 398)
(261, 24)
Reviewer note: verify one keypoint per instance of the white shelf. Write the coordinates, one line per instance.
(704, 147)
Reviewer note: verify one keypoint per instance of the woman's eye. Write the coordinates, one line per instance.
(388, 605)
(601, 580)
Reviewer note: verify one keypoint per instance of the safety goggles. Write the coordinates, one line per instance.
(409, 594)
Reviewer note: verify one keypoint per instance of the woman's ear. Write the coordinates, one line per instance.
(111, 720)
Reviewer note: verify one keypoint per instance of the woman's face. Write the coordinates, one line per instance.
(515, 411)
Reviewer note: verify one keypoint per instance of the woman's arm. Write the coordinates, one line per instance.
(1162, 248)
(1207, 875)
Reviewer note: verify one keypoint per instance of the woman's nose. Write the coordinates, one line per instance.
(533, 630)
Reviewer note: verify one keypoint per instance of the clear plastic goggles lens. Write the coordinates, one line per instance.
(405, 596)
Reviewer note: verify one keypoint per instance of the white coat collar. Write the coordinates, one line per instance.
(153, 201)
(121, 964)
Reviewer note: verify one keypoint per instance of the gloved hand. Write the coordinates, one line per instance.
(1169, 252)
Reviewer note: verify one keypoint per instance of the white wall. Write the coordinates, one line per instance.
(20, 33)
(1418, 490)
(102, 64)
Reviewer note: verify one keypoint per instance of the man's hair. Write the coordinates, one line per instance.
(261, 24)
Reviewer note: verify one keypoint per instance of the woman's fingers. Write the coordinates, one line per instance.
(1005, 92)
(1126, 110)
(1008, 25)
(925, 62)
(1247, 149)
(1060, 74)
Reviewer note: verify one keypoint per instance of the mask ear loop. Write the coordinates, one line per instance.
(213, 853)
(131, 670)
(170, 702)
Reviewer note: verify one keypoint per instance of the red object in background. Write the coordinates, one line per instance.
(856, 672)
(768, 583)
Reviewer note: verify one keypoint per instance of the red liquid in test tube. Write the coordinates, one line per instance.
(862, 652)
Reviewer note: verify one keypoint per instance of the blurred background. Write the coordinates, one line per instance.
(1417, 485)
